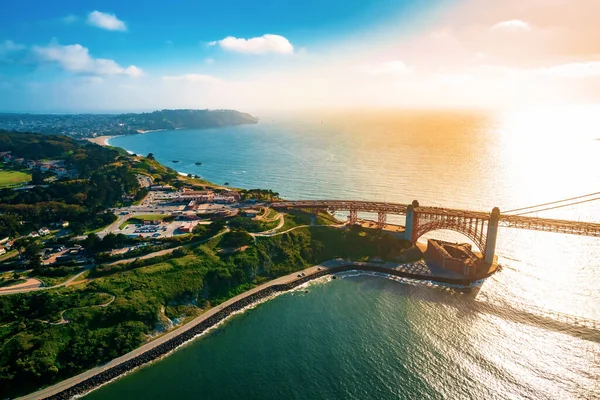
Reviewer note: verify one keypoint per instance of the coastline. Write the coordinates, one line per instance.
(102, 140)
(166, 344)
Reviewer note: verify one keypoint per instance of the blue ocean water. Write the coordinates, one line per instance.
(387, 339)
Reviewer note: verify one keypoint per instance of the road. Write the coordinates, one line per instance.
(167, 251)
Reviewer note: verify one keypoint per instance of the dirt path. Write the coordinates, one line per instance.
(31, 288)
(62, 313)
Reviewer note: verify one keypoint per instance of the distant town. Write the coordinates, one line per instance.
(93, 125)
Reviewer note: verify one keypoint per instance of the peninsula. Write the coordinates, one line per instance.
(94, 125)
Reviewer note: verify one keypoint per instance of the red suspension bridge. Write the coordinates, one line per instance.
(480, 227)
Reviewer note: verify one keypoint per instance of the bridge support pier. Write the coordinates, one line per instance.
(410, 219)
(492, 235)
(353, 217)
(381, 219)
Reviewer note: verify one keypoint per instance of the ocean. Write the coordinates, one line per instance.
(361, 337)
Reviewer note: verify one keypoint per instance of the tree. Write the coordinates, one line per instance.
(150, 156)
(37, 177)
(237, 238)
(20, 244)
(32, 255)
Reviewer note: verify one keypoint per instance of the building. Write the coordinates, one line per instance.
(44, 231)
(185, 228)
(452, 256)
(2, 251)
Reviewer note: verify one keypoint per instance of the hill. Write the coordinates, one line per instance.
(172, 119)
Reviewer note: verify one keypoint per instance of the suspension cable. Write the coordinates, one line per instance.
(560, 206)
(552, 202)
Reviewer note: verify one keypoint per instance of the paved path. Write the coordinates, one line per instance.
(270, 233)
(29, 283)
(150, 345)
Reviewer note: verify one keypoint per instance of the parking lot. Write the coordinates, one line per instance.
(160, 230)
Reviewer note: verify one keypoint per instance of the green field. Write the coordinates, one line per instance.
(13, 178)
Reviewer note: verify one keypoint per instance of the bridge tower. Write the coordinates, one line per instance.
(410, 220)
(492, 235)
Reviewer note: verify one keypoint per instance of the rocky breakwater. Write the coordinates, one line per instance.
(170, 345)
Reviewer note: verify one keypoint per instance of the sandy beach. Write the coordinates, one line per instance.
(101, 140)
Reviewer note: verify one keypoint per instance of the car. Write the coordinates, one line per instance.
(156, 235)
(299, 275)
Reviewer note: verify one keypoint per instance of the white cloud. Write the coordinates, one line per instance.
(257, 45)
(192, 78)
(513, 24)
(395, 67)
(8, 46)
(106, 21)
(209, 61)
(76, 58)
(572, 70)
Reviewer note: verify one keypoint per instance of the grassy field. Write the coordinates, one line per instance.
(8, 255)
(13, 178)
(145, 217)
(150, 217)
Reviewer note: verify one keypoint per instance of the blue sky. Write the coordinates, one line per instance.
(132, 55)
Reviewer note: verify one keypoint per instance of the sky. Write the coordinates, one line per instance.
(106, 56)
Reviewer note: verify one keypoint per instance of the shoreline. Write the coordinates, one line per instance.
(165, 345)
(102, 140)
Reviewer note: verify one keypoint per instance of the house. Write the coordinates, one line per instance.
(34, 234)
(2, 251)
(44, 231)
(32, 164)
(6, 156)
(4, 241)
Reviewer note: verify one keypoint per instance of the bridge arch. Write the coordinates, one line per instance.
(475, 233)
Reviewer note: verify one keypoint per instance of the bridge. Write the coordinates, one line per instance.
(480, 227)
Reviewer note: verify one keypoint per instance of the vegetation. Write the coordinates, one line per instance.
(252, 225)
(185, 283)
(13, 178)
(259, 194)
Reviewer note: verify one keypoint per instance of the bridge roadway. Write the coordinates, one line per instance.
(505, 220)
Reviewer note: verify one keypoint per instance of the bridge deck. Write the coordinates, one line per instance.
(508, 221)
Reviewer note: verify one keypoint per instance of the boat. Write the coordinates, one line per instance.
(175, 161)
(198, 163)
(226, 184)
